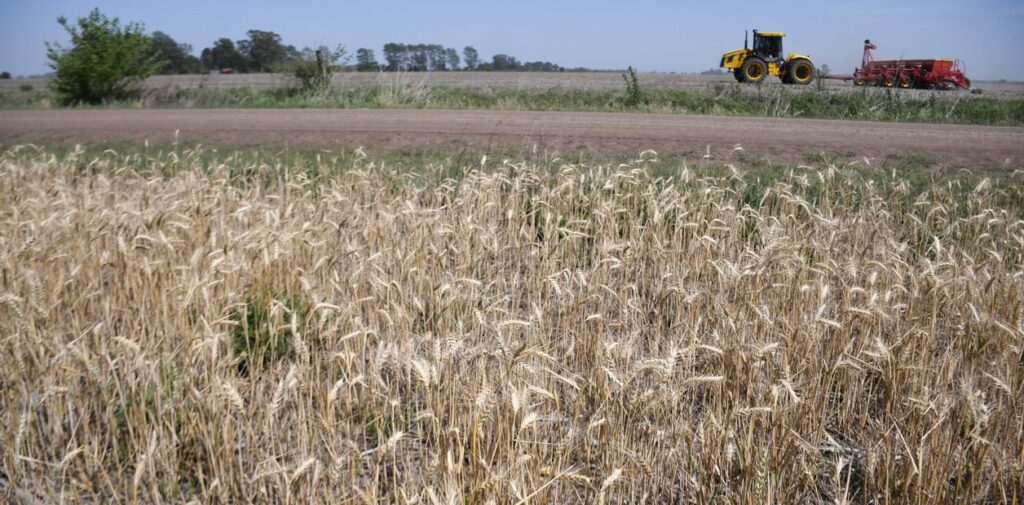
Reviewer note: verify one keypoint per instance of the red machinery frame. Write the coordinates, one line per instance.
(920, 74)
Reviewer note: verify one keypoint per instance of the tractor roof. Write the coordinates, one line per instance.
(771, 34)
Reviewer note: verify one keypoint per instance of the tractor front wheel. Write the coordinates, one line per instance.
(738, 74)
(753, 70)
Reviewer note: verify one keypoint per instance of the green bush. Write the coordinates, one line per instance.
(105, 61)
(312, 75)
(315, 74)
(635, 95)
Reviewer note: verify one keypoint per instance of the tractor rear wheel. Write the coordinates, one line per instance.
(754, 70)
(800, 71)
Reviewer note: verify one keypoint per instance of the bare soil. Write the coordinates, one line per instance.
(603, 134)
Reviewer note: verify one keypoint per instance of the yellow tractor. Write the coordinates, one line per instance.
(753, 65)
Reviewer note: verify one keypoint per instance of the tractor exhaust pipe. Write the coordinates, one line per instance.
(745, 35)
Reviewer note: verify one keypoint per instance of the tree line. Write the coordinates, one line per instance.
(437, 58)
(264, 51)
(109, 61)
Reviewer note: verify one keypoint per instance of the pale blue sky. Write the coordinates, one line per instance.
(650, 35)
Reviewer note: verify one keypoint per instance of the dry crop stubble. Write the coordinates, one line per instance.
(229, 333)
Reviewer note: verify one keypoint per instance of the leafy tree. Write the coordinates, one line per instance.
(263, 49)
(315, 74)
(177, 58)
(294, 58)
(438, 58)
(5, 75)
(504, 62)
(415, 57)
(292, 54)
(366, 61)
(539, 66)
(105, 61)
(452, 58)
(395, 56)
(418, 59)
(340, 57)
(470, 57)
(224, 55)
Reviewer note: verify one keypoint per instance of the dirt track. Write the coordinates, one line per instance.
(568, 133)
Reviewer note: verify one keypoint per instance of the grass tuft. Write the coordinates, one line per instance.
(265, 331)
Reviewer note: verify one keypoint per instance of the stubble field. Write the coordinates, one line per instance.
(509, 80)
(185, 325)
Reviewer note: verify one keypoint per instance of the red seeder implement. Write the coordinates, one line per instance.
(920, 74)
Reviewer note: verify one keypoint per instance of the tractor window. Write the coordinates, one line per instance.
(768, 46)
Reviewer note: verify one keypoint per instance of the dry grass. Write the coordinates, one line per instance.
(508, 81)
(402, 89)
(597, 335)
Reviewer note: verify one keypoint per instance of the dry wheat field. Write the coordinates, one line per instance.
(186, 327)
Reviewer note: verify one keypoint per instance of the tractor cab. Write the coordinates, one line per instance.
(768, 45)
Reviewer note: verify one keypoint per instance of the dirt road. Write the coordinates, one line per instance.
(567, 133)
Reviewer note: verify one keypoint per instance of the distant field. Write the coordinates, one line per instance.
(514, 81)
